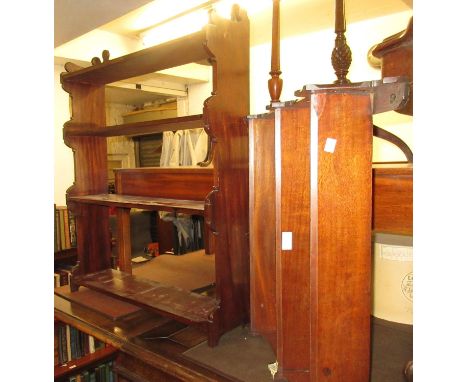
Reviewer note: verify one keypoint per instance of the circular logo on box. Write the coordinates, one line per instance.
(407, 286)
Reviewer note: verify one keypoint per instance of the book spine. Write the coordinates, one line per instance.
(56, 345)
(86, 376)
(62, 229)
(57, 231)
(72, 226)
(63, 345)
(66, 228)
(67, 330)
(73, 342)
(92, 348)
(56, 247)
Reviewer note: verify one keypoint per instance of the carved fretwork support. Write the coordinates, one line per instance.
(341, 56)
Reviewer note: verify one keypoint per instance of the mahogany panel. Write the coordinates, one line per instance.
(156, 182)
(224, 116)
(177, 52)
(341, 255)
(90, 157)
(393, 199)
(292, 272)
(124, 247)
(262, 226)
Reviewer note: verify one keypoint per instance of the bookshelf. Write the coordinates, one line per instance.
(65, 253)
(218, 191)
(79, 356)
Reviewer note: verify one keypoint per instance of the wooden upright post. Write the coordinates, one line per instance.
(341, 55)
(275, 83)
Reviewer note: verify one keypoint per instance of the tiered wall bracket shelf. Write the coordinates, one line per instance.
(219, 193)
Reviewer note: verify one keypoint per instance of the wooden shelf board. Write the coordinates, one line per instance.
(89, 359)
(177, 52)
(142, 202)
(135, 129)
(172, 302)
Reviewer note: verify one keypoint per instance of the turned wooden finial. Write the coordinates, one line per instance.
(275, 83)
(105, 57)
(341, 55)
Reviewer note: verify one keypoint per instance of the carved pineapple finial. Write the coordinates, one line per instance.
(341, 56)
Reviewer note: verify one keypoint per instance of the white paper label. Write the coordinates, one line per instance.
(286, 241)
(396, 252)
(330, 145)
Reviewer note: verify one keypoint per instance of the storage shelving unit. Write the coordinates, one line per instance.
(219, 193)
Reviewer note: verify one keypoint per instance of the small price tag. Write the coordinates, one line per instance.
(286, 241)
(330, 145)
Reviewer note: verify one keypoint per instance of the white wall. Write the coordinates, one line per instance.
(304, 59)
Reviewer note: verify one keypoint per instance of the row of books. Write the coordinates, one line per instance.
(72, 344)
(64, 228)
(101, 373)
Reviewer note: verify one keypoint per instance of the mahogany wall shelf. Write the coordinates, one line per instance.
(168, 301)
(136, 128)
(142, 202)
(219, 193)
(86, 361)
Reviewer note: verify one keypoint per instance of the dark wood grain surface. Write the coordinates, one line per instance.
(136, 128)
(174, 183)
(262, 210)
(164, 299)
(143, 202)
(173, 53)
(393, 199)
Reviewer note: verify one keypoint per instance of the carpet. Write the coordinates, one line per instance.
(239, 354)
(244, 356)
(190, 271)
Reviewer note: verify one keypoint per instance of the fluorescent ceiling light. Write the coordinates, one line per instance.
(176, 28)
(188, 23)
(223, 7)
(160, 10)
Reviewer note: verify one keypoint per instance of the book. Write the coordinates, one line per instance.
(98, 344)
(84, 347)
(68, 337)
(86, 376)
(107, 370)
(56, 345)
(72, 227)
(62, 228)
(63, 356)
(56, 247)
(92, 348)
(57, 229)
(56, 280)
(66, 229)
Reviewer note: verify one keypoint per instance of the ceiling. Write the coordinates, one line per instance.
(74, 18)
